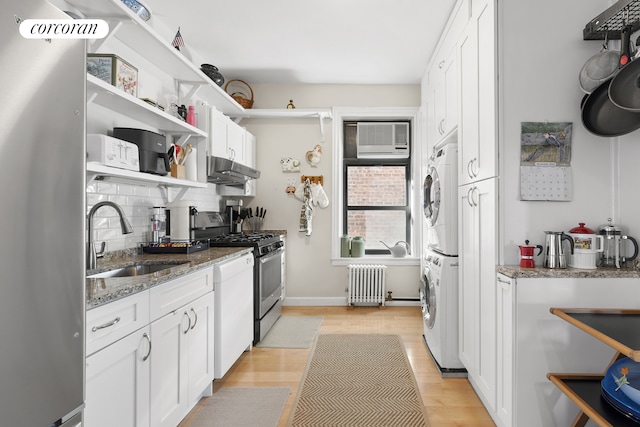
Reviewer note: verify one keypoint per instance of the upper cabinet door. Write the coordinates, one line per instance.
(478, 145)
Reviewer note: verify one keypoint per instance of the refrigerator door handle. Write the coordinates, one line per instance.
(106, 325)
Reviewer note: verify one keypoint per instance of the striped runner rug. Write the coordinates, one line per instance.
(358, 380)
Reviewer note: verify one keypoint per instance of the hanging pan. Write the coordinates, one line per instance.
(599, 68)
(624, 89)
(601, 116)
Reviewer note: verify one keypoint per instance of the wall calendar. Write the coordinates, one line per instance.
(545, 161)
(552, 183)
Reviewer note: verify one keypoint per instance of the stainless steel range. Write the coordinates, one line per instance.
(268, 250)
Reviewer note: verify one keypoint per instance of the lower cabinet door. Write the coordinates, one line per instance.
(201, 348)
(169, 366)
(117, 383)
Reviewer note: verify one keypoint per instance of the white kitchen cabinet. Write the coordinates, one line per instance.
(169, 368)
(233, 311)
(532, 343)
(151, 354)
(441, 95)
(182, 331)
(226, 138)
(477, 134)
(110, 322)
(181, 365)
(117, 383)
(477, 213)
(235, 142)
(445, 94)
(505, 310)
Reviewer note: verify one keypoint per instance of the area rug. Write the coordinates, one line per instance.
(292, 332)
(243, 407)
(358, 380)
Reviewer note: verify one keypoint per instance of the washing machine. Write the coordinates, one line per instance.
(440, 199)
(439, 302)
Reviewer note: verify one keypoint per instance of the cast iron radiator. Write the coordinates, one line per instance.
(366, 284)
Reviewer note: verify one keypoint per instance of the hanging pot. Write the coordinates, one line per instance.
(624, 90)
(599, 68)
(599, 114)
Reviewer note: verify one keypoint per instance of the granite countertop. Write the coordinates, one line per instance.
(103, 290)
(276, 232)
(514, 272)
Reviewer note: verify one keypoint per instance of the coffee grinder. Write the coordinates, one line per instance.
(158, 224)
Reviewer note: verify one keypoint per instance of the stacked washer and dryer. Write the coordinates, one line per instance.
(439, 284)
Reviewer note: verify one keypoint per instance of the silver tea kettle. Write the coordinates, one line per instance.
(612, 255)
(554, 252)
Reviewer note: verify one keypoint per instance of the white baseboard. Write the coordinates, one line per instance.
(337, 302)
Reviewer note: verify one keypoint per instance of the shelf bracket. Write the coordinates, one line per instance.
(183, 139)
(195, 87)
(114, 26)
(321, 116)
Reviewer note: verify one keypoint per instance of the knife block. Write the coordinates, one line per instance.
(178, 171)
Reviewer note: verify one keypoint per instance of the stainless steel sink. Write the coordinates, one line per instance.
(133, 270)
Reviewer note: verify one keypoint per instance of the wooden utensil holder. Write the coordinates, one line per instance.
(178, 171)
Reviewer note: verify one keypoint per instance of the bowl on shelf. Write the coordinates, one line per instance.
(621, 387)
(141, 10)
(212, 72)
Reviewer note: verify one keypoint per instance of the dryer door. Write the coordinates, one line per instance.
(428, 298)
(431, 195)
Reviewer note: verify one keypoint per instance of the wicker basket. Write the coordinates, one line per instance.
(240, 96)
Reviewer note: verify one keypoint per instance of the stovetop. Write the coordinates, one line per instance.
(244, 239)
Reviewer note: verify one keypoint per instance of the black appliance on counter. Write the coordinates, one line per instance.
(268, 250)
(152, 149)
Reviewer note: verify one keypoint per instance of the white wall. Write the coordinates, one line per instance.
(309, 269)
(542, 53)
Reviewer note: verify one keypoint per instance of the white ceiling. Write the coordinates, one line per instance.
(310, 41)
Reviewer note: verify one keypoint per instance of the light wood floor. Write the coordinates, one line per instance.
(448, 402)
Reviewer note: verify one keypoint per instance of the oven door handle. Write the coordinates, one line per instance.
(266, 258)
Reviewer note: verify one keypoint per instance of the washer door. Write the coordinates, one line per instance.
(431, 195)
(428, 298)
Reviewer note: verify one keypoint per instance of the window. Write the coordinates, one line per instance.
(376, 196)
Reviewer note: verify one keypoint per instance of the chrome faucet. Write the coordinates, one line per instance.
(124, 223)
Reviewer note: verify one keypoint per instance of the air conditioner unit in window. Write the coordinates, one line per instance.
(378, 140)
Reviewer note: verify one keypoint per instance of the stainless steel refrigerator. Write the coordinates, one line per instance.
(42, 219)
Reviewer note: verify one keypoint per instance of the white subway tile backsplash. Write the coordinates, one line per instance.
(105, 187)
(137, 201)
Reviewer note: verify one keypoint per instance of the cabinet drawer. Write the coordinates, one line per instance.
(110, 322)
(172, 295)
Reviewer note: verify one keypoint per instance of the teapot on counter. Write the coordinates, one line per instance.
(399, 250)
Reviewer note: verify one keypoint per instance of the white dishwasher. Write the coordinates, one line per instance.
(233, 318)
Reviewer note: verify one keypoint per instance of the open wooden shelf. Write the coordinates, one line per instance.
(618, 328)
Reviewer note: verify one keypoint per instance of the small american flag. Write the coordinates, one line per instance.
(177, 40)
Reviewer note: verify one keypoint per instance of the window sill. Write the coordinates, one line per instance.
(377, 259)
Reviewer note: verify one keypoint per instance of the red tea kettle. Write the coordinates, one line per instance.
(527, 252)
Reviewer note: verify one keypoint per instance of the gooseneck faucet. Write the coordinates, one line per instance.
(124, 223)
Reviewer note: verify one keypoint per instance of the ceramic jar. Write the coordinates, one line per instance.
(357, 246)
(586, 245)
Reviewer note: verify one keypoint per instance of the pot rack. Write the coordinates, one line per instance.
(613, 20)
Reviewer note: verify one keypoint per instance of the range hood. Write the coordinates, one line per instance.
(227, 172)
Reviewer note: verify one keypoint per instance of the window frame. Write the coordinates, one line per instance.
(416, 116)
(406, 162)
